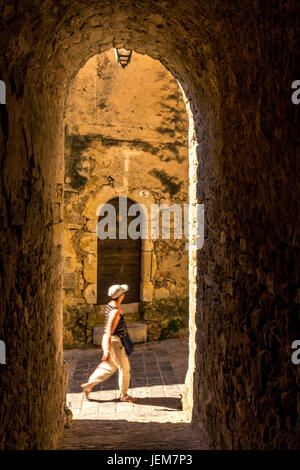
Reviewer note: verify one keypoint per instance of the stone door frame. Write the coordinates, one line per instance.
(148, 257)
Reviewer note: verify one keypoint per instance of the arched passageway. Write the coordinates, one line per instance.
(235, 64)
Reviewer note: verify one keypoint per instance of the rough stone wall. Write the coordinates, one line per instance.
(248, 315)
(126, 135)
(236, 62)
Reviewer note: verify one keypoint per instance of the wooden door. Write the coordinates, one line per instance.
(119, 262)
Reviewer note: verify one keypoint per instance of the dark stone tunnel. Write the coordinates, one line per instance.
(236, 62)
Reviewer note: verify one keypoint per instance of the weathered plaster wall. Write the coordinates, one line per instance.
(126, 135)
(236, 62)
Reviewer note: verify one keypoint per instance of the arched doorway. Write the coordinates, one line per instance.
(119, 260)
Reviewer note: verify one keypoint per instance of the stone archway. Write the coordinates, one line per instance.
(148, 256)
(245, 299)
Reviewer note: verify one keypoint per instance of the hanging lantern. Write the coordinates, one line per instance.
(123, 57)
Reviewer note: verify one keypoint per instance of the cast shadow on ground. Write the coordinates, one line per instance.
(168, 402)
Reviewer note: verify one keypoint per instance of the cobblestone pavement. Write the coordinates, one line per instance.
(156, 421)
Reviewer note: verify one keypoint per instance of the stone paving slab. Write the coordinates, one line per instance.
(158, 372)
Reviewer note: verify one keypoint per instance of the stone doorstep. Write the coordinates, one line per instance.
(137, 331)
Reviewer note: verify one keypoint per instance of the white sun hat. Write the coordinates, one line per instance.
(117, 289)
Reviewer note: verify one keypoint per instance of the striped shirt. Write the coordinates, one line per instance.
(121, 328)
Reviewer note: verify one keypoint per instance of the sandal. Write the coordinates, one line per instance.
(86, 391)
(128, 398)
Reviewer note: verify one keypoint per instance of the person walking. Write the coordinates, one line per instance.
(114, 353)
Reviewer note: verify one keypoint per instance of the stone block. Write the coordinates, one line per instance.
(161, 293)
(92, 206)
(153, 266)
(57, 215)
(90, 269)
(70, 281)
(71, 196)
(90, 294)
(147, 265)
(88, 243)
(136, 330)
(147, 291)
(58, 234)
(91, 225)
(75, 226)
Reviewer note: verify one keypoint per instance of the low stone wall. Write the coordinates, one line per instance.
(166, 318)
(80, 320)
